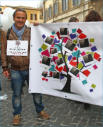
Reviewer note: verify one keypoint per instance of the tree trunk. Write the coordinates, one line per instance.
(67, 87)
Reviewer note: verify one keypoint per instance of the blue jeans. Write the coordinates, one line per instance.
(17, 80)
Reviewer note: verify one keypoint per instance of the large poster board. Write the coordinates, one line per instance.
(60, 50)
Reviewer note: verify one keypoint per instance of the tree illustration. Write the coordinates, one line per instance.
(67, 53)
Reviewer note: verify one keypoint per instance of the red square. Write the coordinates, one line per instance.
(96, 56)
(86, 72)
(51, 73)
(79, 31)
(58, 34)
(75, 48)
(64, 69)
(59, 68)
(51, 36)
(95, 67)
(73, 63)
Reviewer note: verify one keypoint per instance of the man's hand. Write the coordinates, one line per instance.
(6, 74)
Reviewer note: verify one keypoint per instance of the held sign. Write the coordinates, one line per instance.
(17, 48)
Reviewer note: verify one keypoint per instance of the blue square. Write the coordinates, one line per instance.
(94, 48)
(43, 36)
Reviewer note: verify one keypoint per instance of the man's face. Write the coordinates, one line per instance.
(19, 19)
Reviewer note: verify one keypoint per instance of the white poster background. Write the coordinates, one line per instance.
(36, 85)
(17, 48)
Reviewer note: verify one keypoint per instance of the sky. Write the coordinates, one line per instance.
(29, 3)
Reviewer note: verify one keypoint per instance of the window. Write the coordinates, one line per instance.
(64, 5)
(55, 8)
(41, 15)
(50, 12)
(33, 16)
(45, 15)
(76, 2)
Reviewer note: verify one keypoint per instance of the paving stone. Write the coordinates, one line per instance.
(63, 112)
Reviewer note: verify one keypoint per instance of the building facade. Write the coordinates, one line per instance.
(62, 10)
(33, 14)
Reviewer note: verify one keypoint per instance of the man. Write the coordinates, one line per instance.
(19, 71)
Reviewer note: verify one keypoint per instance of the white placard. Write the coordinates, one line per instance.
(17, 48)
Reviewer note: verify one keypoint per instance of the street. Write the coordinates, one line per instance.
(63, 112)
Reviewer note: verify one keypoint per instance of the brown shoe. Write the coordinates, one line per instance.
(16, 120)
(44, 115)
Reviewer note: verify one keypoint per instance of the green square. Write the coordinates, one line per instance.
(80, 66)
(73, 30)
(90, 53)
(59, 55)
(44, 46)
(84, 82)
(75, 41)
(66, 58)
(92, 40)
(93, 85)
(53, 32)
(40, 49)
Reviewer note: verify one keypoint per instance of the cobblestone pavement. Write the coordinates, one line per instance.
(63, 112)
